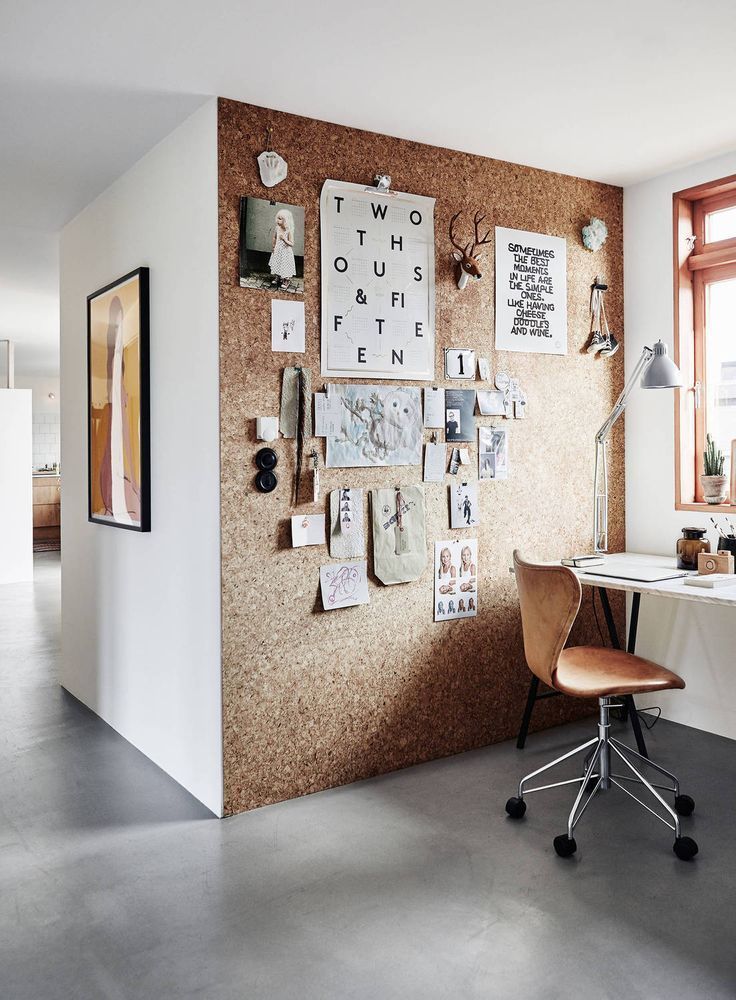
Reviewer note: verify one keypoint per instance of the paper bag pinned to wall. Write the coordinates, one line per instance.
(399, 540)
(347, 532)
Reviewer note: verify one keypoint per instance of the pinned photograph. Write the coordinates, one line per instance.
(271, 246)
(464, 509)
(493, 453)
(455, 579)
(459, 418)
(287, 326)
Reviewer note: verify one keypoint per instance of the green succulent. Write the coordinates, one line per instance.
(713, 458)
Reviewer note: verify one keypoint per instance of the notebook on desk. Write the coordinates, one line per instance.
(641, 574)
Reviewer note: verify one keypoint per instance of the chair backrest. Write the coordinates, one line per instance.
(549, 597)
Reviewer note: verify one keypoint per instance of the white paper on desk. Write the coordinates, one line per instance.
(307, 529)
(435, 462)
(434, 407)
(327, 414)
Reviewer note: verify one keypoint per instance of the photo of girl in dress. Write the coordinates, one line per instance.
(271, 246)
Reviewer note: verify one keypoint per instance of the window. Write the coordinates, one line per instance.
(705, 329)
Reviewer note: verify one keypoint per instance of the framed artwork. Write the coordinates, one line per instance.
(118, 435)
(377, 283)
(271, 245)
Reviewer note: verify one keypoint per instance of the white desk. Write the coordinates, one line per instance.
(722, 596)
(677, 589)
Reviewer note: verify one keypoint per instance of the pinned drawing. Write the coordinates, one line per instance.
(380, 425)
(343, 585)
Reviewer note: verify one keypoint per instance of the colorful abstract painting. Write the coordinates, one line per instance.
(117, 361)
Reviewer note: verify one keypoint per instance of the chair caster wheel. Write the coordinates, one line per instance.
(684, 805)
(515, 807)
(565, 846)
(685, 848)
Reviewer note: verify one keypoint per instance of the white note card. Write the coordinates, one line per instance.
(434, 407)
(287, 326)
(435, 462)
(307, 529)
(327, 414)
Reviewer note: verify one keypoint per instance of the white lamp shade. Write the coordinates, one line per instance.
(661, 372)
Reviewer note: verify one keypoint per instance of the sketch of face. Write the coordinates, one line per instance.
(461, 605)
(466, 555)
(445, 560)
(399, 424)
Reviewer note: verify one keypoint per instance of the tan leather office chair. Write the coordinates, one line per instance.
(549, 596)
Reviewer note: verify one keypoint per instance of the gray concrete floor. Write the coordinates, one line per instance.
(116, 884)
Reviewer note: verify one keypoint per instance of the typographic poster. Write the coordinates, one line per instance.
(377, 283)
(531, 292)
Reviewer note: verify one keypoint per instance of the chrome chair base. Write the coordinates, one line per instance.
(599, 776)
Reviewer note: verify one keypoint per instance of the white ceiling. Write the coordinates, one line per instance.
(617, 93)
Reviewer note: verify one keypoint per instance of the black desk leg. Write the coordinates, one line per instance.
(527, 717)
(630, 648)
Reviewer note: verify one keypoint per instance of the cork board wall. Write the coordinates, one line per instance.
(313, 699)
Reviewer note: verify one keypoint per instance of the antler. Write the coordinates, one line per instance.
(457, 246)
(479, 242)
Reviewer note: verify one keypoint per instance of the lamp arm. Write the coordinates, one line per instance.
(620, 405)
(600, 480)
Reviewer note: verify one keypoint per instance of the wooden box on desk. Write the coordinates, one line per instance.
(714, 562)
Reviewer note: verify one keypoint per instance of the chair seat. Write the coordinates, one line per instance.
(597, 671)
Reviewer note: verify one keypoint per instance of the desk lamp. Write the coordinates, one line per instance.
(656, 371)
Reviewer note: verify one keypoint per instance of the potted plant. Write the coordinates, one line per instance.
(713, 481)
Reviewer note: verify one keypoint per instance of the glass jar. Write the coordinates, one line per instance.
(692, 543)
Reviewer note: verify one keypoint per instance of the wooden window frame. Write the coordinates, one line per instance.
(695, 266)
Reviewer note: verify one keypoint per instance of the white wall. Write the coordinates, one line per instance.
(46, 417)
(696, 642)
(141, 612)
(16, 503)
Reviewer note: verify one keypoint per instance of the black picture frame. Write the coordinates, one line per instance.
(142, 273)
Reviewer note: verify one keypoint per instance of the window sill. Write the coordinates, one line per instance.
(707, 507)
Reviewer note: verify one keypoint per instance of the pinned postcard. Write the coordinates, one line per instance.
(459, 417)
(464, 509)
(327, 414)
(435, 462)
(493, 453)
(455, 579)
(490, 402)
(484, 370)
(434, 407)
(287, 326)
(343, 585)
(307, 529)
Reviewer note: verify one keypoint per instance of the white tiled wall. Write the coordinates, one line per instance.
(46, 448)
